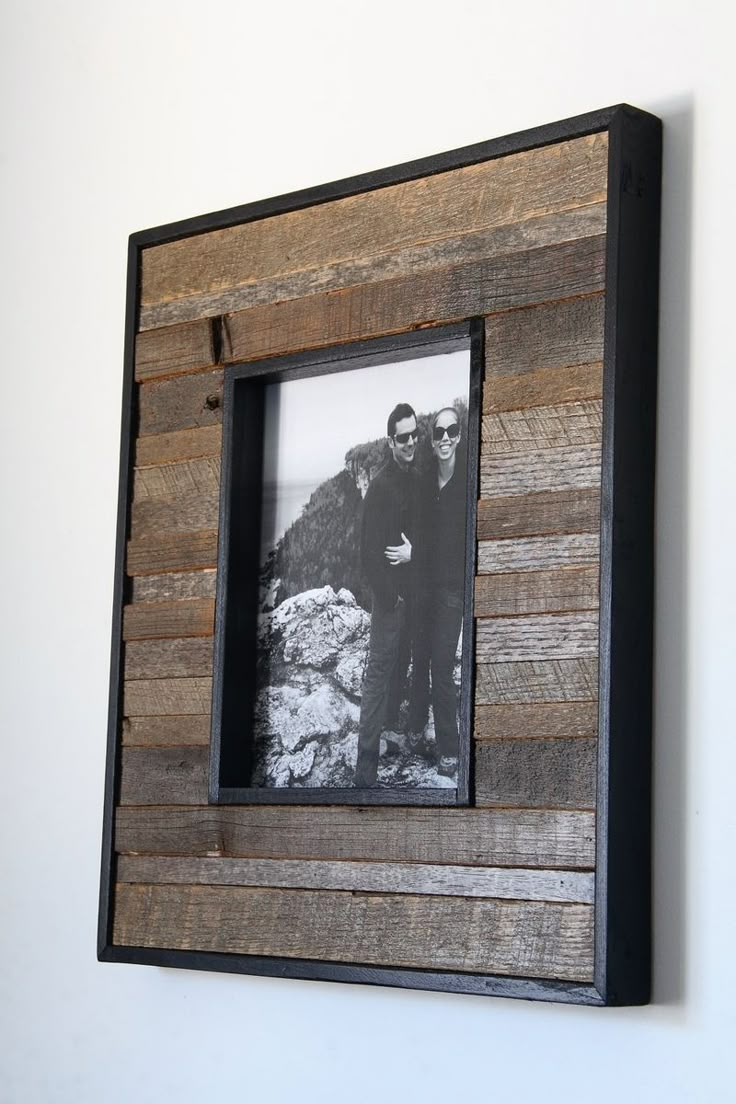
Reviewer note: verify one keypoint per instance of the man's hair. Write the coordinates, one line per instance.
(403, 410)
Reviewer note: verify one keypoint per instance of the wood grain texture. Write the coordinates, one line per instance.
(538, 553)
(187, 402)
(512, 237)
(494, 193)
(153, 659)
(548, 774)
(555, 469)
(551, 680)
(166, 731)
(541, 427)
(393, 306)
(180, 444)
(538, 839)
(548, 721)
(538, 939)
(567, 588)
(186, 513)
(544, 387)
(175, 349)
(548, 512)
(544, 636)
(548, 336)
(172, 586)
(367, 877)
(200, 476)
(167, 697)
(164, 775)
(188, 617)
(149, 555)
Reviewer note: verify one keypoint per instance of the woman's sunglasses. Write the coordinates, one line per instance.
(452, 431)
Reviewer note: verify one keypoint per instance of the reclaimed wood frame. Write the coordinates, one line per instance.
(542, 890)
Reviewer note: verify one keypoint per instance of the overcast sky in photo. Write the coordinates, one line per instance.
(311, 423)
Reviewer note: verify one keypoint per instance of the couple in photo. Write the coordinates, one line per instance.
(413, 558)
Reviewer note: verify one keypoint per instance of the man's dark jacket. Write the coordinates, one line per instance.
(389, 509)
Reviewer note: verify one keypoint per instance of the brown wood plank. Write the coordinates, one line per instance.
(538, 637)
(187, 402)
(174, 585)
(155, 775)
(538, 939)
(550, 680)
(180, 444)
(185, 477)
(186, 513)
(567, 588)
(166, 731)
(547, 774)
(539, 553)
(551, 335)
(172, 552)
(393, 306)
(549, 512)
(557, 469)
(175, 349)
(549, 721)
(188, 617)
(494, 193)
(541, 427)
(167, 697)
(539, 839)
(544, 387)
(365, 877)
(150, 659)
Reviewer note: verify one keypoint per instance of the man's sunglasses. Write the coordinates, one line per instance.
(452, 431)
(404, 438)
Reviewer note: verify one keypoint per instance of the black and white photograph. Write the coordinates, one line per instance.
(362, 584)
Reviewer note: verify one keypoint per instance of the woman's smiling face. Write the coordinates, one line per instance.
(445, 434)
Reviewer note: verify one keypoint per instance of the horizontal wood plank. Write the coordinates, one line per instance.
(539, 553)
(567, 588)
(185, 477)
(493, 193)
(548, 512)
(155, 659)
(554, 469)
(550, 680)
(572, 887)
(187, 402)
(188, 617)
(544, 387)
(512, 237)
(548, 774)
(166, 731)
(551, 335)
(187, 513)
(167, 697)
(548, 721)
(393, 306)
(149, 555)
(539, 839)
(541, 427)
(173, 585)
(175, 349)
(539, 637)
(180, 444)
(156, 775)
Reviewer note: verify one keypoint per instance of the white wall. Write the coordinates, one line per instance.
(121, 116)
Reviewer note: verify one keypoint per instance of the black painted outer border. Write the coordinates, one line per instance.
(623, 878)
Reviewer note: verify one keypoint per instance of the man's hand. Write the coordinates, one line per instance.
(399, 553)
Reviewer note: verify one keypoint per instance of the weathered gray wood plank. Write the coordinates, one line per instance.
(566, 588)
(187, 402)
(174, 585)
(538, 839)
(543, 387)
(156, 775)
(556, 469)
(572, 511)
(174, 350)
(154, 659)
(542, 636)
(541, 427)
(538, 939)
(166, 731)
(185, 477)
(167, 697)
(547, 774)
(551, 680)
(186, 513)
(572, 887)
(172, 552)
(180, 444)
(551, 720)
(188, 617)
(551, 335)
(539, 553)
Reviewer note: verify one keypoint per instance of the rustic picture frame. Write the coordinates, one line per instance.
(540, 888)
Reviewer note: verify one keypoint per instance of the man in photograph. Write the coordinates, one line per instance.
(389, 522)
